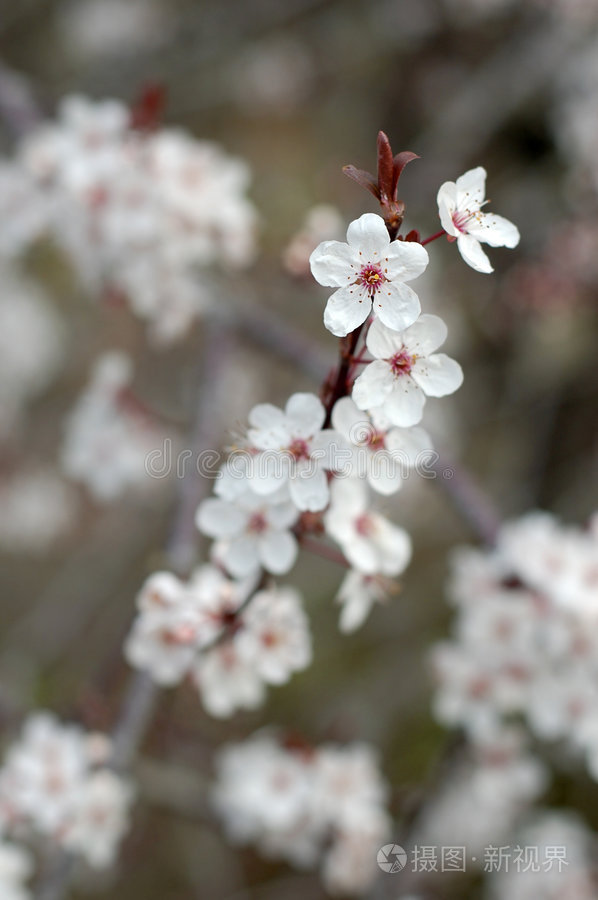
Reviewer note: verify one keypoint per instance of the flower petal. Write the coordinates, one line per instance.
(396, 305)
(373, 385)
(471, 188)
(472, 253)
(269, 429)
(447, 205)
(494, 230)
(405, 405)
(346, 416)
(368, 236)
(305, 415)
(241, 557)
(438, 375)
(334, 264)
(219, 519)
(425, 336)
(385, 472)
(409, 444)
(309, 489)
(278, 551)
(383, 342)
(346, 310)
(394, 545)
(405, 260)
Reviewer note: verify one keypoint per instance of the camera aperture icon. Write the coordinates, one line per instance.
(391, 858)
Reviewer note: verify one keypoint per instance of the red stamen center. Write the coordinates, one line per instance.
(364, 525)
(257, 523)
(299, 449)
(371, 277)
(401, 363)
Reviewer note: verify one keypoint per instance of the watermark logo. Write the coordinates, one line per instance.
(391, 858)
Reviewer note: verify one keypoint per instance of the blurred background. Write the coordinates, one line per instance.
(296, 90)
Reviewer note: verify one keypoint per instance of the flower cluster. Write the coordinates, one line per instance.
(306, 805)
(201, 629)
(526, 635)
(491, 787)
(541, 876)
(55, 783)
(139, 212)
(108, 434)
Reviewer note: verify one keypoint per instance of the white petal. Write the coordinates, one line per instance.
(278, 551)
(242, 557)
(282, 515)
(219, 519)
(363, 555)
(330, 450)
(471, 188)
(410, 443)
(349, 496)
(438, 375)
(268, 472)
(333, 264)
(305, 415)
(309, 489)
(383, 342)
(269, 430)
(346, 416)
(394, 545)
(396, 305)
(355, 611)
(472, 253)
(346, 310)
(425, 336)
(447, 204)
(385, 472)
(405, 260)
(373, 385)
(405, 405)
(493, 230)
(368, 234)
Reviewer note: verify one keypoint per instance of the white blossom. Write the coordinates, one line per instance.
(357, 594)
(294, 450)
(406, 370)
(371, 543)
(369, 273)
(255, 529)
(306, 804)
(460, 208)
(381, 452)
(54, 783)
(274, 635)
(100, 818)
(108, 440)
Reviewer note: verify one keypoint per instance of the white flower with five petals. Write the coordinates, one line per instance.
(256, 531)
(459, 207)
(382, 453)
(369, 272)
(295, 450)
(406, 370)
(371, 543)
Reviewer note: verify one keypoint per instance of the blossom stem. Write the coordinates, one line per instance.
(433, 237)
(348, 345)
(324, 551)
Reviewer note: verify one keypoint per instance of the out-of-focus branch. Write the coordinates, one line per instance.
(141, 694)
